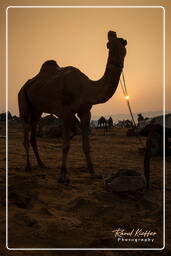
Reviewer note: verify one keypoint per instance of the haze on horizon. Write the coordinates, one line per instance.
(78, 37)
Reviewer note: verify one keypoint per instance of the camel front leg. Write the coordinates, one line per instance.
(85, 123)
(67, 122)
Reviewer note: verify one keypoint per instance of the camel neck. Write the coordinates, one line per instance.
(109, 82)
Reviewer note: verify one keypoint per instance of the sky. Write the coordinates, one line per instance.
(77, 37)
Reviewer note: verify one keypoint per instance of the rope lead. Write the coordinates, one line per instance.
(124, 89)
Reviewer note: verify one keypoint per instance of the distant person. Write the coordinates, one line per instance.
(140, 118)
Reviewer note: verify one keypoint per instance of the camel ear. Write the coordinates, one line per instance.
(125, 42)
(122, 41)
(111, 35)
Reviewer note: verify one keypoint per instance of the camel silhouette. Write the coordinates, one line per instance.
(110, 123)
(66, 92)
(102, 122)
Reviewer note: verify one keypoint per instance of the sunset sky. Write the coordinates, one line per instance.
(77, 37)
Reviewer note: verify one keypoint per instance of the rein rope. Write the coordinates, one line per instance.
(124, 89)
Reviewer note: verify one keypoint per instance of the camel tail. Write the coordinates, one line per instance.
(78, 122)
(24, 104)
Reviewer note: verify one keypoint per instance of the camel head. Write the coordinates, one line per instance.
(117, 48)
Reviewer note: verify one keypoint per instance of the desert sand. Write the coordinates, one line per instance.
(45, 214)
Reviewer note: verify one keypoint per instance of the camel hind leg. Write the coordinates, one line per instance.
(25, 111)
(25, 117)
(34, 120)
(26, 129)
(29, 118)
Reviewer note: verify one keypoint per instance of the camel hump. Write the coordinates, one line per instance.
(49, 67)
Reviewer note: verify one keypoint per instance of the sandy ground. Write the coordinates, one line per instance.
(45, 214)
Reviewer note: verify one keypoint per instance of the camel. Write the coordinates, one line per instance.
(125, 124)
(105, 123)
(67, 92)
(102, 122)
(110, 122)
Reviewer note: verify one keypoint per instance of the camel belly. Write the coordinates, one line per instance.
(45, 97)
(57, 94)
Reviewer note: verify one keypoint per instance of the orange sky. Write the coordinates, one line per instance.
(78, 37)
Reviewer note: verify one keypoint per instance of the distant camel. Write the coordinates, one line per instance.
(102, 122)
(125, 124)
(110, 122)
(4, 115)
(66, 92)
